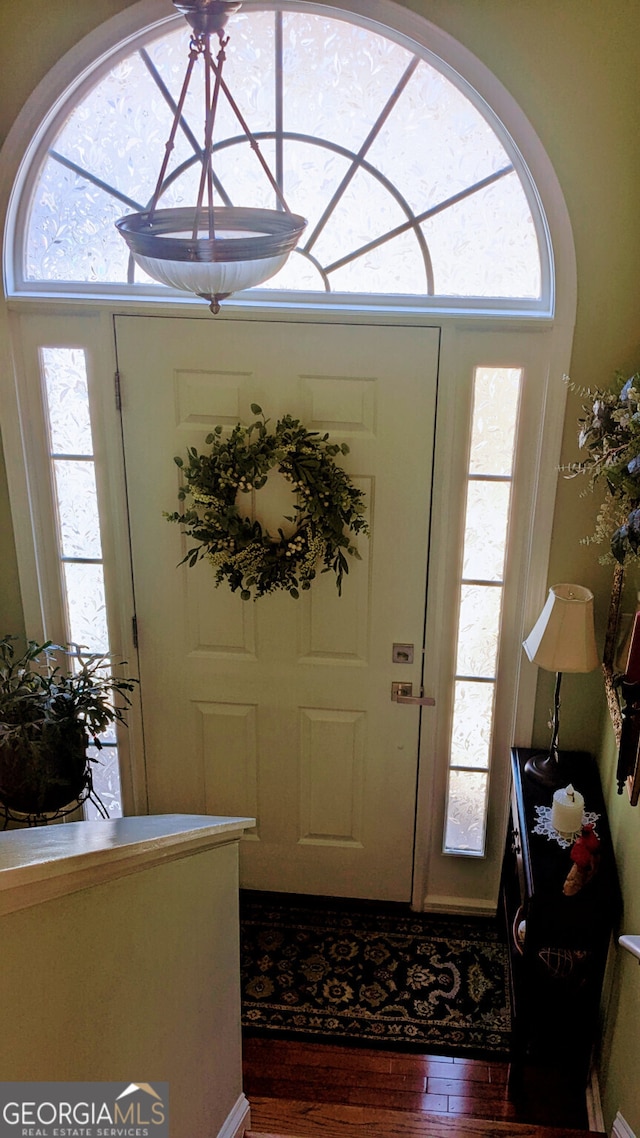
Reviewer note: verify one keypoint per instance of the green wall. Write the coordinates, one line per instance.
(574, 68)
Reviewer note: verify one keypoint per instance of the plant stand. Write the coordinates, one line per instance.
(8, 814)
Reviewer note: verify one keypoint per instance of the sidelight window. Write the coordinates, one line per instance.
(79, 547)
(496, 396)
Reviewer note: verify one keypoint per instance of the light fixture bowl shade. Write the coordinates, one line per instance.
(563, 637)
(211, 278)
(250, 246)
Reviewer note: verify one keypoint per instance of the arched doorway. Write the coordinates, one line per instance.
(426, 288)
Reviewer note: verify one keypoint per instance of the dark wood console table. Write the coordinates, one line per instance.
(557, 944)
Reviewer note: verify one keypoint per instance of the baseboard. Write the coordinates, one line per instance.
(461, 906)
(594, 1103)
(237, 1121)
(621, 1129)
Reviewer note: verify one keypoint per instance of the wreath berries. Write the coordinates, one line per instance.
(328, 507)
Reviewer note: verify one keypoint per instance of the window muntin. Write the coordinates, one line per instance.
(494, 419)
(407, 188)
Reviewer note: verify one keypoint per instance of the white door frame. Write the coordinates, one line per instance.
(91, 327)
(464, 349)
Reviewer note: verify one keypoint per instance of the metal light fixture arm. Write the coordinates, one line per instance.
(180, 246)
(211, 102)
(253, 142)
(201, 47)
(171, 141)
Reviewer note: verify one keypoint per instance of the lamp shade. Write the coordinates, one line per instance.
(563, 637)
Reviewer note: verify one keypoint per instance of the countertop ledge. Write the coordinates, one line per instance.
(44, 862)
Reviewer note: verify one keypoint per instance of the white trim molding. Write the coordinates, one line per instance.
(632, 945)
(237, 1121)
(464, 906)
(621, 1128)
(41, 863)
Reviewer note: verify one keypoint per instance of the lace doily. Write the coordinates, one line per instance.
(546, 830)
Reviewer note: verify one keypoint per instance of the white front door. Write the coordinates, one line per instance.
(281, 708)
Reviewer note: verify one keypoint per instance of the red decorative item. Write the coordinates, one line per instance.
(585, 855)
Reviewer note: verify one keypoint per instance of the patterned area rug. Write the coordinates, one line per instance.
(365, 973)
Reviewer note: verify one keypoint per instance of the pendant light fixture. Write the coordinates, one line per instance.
(208, 249)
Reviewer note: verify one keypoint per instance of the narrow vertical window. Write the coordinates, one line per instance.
(79, 546)
(496, 396)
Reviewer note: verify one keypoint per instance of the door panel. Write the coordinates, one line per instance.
(280, 709)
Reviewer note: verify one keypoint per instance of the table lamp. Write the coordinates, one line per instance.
(562, 640)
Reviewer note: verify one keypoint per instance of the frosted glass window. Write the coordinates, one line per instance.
(485, 537)
(65, 379)
(73, 484)
(471, 735)
(495, 410)
(406, 185)
(482, 246)
(466, 812)
(494, 421)
(106, 777)
(86, 606)
(478, 631)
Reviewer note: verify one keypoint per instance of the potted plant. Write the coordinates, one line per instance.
(48, 718)
(609, 431)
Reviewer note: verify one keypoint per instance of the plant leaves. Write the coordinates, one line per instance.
(246, 558)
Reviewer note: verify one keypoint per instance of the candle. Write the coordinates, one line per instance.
(567, 810)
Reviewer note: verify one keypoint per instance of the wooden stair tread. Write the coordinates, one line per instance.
(289, 1118)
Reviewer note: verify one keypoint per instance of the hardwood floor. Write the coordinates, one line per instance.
(328, 1120)
(278, 1073)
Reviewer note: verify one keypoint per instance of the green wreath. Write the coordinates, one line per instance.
(328, 507)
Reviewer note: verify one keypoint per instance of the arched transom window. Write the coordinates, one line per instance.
(410, 187)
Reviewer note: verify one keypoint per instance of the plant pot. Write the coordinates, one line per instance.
(45, 770)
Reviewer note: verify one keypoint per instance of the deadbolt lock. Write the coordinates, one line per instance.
(402, 654)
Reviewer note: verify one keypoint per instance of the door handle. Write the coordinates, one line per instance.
(403, 693)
